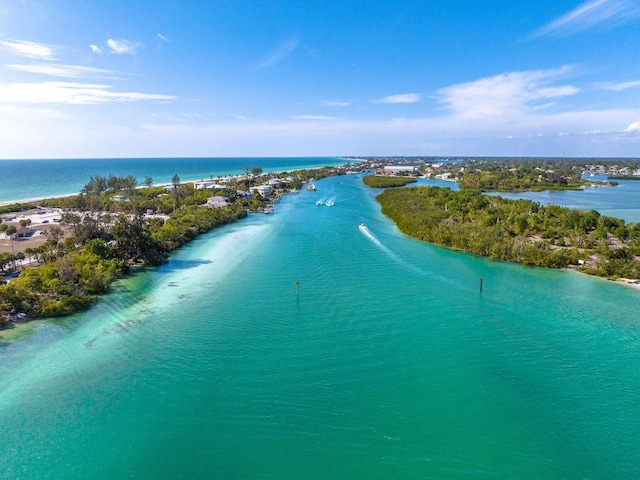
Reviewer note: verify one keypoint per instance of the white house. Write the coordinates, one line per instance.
(262, 189)
(199, 185)
(218, 201)
(391, 169)
(121, 198)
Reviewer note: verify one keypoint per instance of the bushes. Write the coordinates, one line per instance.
(379, 181)
(513, 230)
(61, 287)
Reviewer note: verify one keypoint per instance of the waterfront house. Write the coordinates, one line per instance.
(199, 185)
(263, 190)
(218, 201)
(394, 169)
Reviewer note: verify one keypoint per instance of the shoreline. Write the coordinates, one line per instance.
(343, 163)
(18, 319)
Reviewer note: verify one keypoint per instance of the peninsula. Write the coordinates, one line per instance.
(519, 231)
(63, 252)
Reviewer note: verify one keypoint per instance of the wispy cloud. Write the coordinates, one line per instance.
(618, 87)
(26, 49)
(163, 38)
(591, 14)
(95, 48)
(66, 71)
(122, 47)
(401, 98)
(70, 93)
(330, 103)
(313, 117)
(279, 54)
(506, 95)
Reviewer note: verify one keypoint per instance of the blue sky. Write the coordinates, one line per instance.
(287, 78)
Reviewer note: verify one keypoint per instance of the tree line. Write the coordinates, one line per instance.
(520, 231)
(106, 237)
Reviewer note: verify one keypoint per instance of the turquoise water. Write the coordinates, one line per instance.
(27, 179)
(621, 201)
(389, 363)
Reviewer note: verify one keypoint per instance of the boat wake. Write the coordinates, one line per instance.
(376, 241)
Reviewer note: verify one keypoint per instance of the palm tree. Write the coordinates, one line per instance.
(10, 231)
(29, 251)
(175, 180)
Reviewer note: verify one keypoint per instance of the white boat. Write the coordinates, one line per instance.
(311, 188)
(319, 202)
(329, 203)
(362, 227)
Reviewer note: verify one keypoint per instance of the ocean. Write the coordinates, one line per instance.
(297, 345)
(35, 179)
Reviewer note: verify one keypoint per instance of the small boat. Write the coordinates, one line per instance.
(362, 227)
(329, 203)
(311, 188)
(319, 202)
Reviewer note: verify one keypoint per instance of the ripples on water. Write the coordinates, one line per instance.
(389, 363)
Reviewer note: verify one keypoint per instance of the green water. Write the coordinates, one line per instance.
(388, 364)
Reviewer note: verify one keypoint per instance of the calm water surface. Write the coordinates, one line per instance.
(29, 179)
(388, 364)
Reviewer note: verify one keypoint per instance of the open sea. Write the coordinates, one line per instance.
(35, 179)
(388, 362)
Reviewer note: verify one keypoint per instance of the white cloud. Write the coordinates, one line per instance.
(163, 38)
(70, 93)
(29, 49)
(591, 14)
(401, 98)
(95, 49)
(445, 135)
(506, 95)
(618, 87)
(122, 47)
(67, 71)
(329, 103)
(279, 54)
(313, 117)
(633, 128)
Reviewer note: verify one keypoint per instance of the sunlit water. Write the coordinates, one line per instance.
(388, 363)
(621, 201)
(31, 179)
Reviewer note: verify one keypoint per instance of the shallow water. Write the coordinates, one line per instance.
(389, 363)
(30, 179)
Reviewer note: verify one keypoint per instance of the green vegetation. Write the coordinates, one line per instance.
(517, 230)
(107, 232)
(386, 181)
(105, 239)
(520, 175)
(624, 177)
